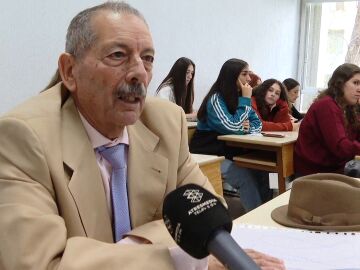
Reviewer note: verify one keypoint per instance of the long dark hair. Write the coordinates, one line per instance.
(335, 89)
(55, 79)
(290, 83)
(226, 86)
(260, 92)
(184, 95)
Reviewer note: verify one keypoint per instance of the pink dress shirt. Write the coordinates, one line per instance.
(98, 140)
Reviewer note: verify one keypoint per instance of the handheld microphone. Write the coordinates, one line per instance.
(200, 224)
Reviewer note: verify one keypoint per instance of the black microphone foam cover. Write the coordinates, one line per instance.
(192, 215)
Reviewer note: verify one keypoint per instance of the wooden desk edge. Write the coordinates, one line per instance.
(262, 214)
(277, 142)
(209, 161)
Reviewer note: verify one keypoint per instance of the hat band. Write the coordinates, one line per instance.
(303, 216)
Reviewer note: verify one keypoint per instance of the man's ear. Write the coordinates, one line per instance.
(66, 65)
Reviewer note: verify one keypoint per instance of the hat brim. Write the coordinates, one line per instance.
(279, 215)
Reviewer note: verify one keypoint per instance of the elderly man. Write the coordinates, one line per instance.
(58, 203)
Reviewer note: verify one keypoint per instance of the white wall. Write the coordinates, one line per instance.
(264, 33)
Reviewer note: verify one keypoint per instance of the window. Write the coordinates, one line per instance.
(330, 36)
(340, 6)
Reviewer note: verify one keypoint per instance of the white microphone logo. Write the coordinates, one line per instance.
(193, 195)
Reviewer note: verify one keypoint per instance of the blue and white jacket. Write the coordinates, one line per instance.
(219, 118)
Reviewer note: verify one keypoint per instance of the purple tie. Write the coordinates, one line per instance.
(115, 155)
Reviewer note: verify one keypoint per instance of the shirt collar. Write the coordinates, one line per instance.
(97, 139)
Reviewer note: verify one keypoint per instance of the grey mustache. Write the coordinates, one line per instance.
(136, 89)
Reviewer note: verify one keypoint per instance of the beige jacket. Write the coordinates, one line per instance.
(53, 212)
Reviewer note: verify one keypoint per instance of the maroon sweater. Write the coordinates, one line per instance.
(278, 119)
(324, 145)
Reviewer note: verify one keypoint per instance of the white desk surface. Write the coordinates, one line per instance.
(290, 137)
(262, 214)
(206, 159)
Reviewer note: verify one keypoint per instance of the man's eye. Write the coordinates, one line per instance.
(148, 58)
(117, 55)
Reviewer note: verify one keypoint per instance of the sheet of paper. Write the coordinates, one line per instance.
(273, 181)
(303, 249)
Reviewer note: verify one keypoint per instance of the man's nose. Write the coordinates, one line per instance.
(137, 72)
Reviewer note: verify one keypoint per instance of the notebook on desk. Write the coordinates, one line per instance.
(300, 249)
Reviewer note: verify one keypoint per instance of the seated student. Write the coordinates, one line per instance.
(330, 132)
(226, 109)
(178, 86)
(270, 103)
(293, 88)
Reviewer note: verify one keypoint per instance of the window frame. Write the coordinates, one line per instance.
(307, 39)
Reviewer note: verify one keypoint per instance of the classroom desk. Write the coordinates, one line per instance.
(191, 129)
(210, 166)
(288, 245)
(262, 214)
(271, 155)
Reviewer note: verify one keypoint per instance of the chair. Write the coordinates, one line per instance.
(232, 198)
(191, 132)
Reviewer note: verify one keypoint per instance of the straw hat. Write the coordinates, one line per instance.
(324, 201)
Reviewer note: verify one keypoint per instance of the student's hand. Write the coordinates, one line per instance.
(292, 118)
(246, 89)
(246, 125)
(265, 262)
(191, 116)
(194, 113)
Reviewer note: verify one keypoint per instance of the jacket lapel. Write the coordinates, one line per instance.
(147, 175)
(85, 184)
